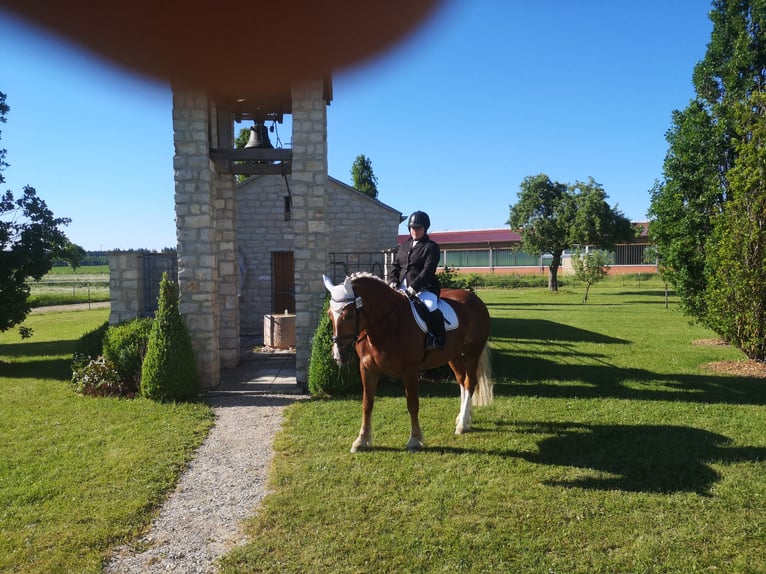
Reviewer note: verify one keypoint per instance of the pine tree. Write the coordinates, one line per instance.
(169, 372)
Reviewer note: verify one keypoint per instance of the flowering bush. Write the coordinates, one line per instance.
(99, 378)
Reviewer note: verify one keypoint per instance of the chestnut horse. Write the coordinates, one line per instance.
(378, 321)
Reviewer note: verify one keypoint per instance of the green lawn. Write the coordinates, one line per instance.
(609, 448)
(78, 475)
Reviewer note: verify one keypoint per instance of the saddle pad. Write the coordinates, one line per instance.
(450, 317)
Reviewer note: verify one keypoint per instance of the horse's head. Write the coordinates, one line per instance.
(344, 316)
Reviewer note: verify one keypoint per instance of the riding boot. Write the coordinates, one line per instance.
(436, 334)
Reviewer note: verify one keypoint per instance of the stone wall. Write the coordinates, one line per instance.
(125, 287)
(262, 229)
(310, 215)
(195, 200)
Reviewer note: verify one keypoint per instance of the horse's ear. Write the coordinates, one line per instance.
(327, 283)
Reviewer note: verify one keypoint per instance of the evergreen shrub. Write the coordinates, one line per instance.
(169, 371)
(326, 378)
(125, 347)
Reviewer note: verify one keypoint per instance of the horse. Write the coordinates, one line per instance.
(377, 321)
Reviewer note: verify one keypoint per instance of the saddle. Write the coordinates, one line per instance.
(420, 313)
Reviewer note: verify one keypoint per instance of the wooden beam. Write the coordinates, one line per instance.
(251, 154)
(280, 168)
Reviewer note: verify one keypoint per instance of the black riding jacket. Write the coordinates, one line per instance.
(417, 264)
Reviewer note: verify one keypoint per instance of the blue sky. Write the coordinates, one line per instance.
(453, 119)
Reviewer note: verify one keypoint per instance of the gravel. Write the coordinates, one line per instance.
(223, 485)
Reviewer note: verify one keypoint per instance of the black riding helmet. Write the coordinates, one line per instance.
(419, 219)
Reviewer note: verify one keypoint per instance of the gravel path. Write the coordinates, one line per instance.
(223, 485)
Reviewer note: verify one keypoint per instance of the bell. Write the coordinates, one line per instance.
(259, 137)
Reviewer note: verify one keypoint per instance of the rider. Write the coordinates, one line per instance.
(414, 270)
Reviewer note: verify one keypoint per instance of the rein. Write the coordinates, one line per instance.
(357, 302)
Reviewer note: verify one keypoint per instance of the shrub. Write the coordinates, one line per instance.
(326, 378)
(125, 347)
(99, 378)
(169, 372)
(449, 278)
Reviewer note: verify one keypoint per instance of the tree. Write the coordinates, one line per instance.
(683, 205)
(363, 177)
(30, 239)
(590, 268)
(736, 259)
(169, 371)
(704, 211)
(553, 216)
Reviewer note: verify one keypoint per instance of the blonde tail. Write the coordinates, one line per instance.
(483, 394)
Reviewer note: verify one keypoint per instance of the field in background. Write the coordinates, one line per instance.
(63, 286)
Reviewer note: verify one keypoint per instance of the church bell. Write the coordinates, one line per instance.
(259, 137)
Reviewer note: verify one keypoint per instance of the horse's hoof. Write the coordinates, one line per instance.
(360, 446)
(462, 430)
(415, 445)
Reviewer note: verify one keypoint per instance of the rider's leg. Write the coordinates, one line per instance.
(436, 335)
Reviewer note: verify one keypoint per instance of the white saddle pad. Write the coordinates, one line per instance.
(450, 317)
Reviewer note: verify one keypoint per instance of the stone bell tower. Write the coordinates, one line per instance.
(205, 164)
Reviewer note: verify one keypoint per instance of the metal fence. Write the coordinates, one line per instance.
(154, 265)
(344, 263)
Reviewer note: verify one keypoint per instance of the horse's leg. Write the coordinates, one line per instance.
(369, 386)
(463, 420)
(416, 441)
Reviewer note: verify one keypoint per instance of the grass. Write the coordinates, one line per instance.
(78, 475)
(87, 270)
(609, 448)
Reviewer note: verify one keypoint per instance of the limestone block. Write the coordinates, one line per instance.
(279, 331)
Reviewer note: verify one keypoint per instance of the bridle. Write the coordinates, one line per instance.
(359, 309)
(358, 306)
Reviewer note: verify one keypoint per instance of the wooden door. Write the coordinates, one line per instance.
(282, 282)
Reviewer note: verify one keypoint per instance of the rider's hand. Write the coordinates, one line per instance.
(410, 291)
(393, 285)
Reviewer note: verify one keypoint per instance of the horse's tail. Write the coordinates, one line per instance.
(483, 394)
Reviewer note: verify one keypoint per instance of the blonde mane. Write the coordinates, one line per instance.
(360, 274)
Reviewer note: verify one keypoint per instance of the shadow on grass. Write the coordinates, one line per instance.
(537, 376)
(640, 458)
(635, 458)
(37, 359)
(544, 330)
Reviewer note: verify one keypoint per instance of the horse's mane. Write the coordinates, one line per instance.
(361, 274)
(366, 275)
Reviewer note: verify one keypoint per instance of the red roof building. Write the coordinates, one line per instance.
(496, 251)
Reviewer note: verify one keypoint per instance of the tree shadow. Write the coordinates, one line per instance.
(544, 330)
(52, 368)
(537, 373)
(637, 458)
(537, 377)
(47, 361)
